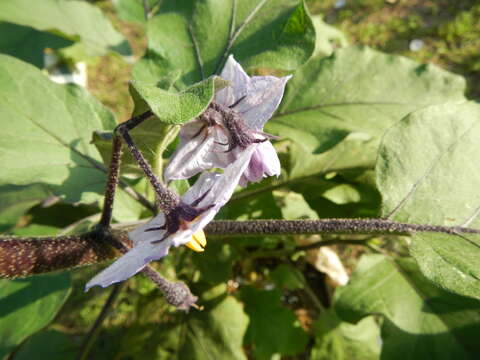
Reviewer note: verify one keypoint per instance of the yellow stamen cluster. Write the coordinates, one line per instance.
(198, 242)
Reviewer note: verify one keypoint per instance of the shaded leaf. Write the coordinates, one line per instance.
(27, 305)
(216, 333)
(273, 329)
(28, 44)
(16, 200)
(427, 173)
(73, 20)
(215, 264)
(421, 321)
(267, 34)
(48, 344)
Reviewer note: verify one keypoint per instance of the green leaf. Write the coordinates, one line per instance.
(215, 264)
(286, 277)
(338, 340)
(46, 131)
(266, 34)
(357, 90)
(273, 329)
(421, 321)
(27, 305)
(428, 174)
(175, 108)
(132, 10)
(16, 200)
(28, 44)
(48, 344)
(215, 333)
(73, 20)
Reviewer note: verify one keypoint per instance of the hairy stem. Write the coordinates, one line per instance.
(34, 255)
(165, 197)
(112, 181)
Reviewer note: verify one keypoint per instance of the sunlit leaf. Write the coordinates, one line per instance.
(266, 34)
(73, 20)
(357, 90)
(46, 130)
(428, 173)
(339, 340)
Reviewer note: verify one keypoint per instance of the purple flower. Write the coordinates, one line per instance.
(232, 122)
(153, 240)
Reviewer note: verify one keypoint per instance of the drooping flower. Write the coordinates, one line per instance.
(234, 120)
(183, 225)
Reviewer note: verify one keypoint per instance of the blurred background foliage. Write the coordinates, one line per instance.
(258, 303)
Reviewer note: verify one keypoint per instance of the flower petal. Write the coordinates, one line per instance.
(264, 162)
(238, 78)
(130, 263)
(197, 153)
(264, 94)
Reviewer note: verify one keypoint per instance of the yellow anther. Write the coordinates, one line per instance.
(198, 242)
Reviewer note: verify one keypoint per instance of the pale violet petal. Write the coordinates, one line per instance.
(234, 73)
(130, 263)
(190, 158)
(264, 95)
(139, 235)
(271, 162)
(264, 162)
(199, 153)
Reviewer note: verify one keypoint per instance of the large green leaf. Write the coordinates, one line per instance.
(357, 90)
(197, 36)
(48, 344)
(420, 321)
(27, 305)
(339, 340)
(273, 329)
(46, 129)
(28, 44)
(133, 10)
(73, 20)
(427, 173)
(215, 333)
(16, 200)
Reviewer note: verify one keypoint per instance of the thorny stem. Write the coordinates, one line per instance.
(112, 181)
(94, 331)
(165, 197)
(27, 256)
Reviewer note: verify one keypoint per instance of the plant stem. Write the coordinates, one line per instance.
(35, 255)
(327, 226)
(112, 181)
(93, 333)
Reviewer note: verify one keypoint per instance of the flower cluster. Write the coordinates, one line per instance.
(228, 135)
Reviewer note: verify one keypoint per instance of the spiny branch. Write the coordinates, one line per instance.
(26, 256)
